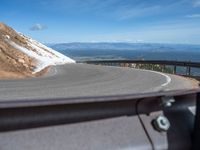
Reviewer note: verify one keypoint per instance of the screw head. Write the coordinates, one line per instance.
(161, 123)
(167, 101)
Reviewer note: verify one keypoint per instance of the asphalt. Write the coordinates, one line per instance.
(80, 80)
(83, 80)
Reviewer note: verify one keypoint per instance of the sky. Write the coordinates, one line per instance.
(63, 21)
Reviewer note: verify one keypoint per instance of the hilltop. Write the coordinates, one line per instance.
(21, 56)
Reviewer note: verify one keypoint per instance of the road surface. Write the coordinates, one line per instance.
(79, 80)
(83, 80)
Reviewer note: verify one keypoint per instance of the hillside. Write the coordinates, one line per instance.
(21, 56)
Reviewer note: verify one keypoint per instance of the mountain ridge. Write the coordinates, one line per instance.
(21, 56)
(123, 46)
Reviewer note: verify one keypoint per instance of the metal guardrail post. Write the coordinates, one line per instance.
(189, 70)
(174, 69)
(163, 68)
(152, 66)
(196, 131)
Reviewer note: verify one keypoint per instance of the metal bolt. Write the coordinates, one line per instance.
(161, 123)
(167, 101)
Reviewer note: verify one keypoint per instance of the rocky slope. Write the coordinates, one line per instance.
(21, 56)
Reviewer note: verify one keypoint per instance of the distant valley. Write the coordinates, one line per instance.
(91, 51)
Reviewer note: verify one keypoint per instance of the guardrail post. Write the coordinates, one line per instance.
(186, 72)
(152, 66)
(189, 70)
(174, 69)
(196, 131)
(164, 68)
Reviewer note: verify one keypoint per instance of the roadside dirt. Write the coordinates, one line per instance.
(14, 63)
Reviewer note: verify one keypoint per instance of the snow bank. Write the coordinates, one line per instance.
(44, 55)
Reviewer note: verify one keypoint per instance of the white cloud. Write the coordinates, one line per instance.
(193, 16)
(38, 27)
(128, 13)
(176, 32)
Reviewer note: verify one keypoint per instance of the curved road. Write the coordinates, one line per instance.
(80, 80)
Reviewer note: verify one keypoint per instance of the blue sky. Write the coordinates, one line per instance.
(58, 21)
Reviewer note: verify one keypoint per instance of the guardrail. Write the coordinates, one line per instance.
(184, 132)
(191, 69)
(19, 115)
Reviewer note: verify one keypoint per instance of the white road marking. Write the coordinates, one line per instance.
(168, 79)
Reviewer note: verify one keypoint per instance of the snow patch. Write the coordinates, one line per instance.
(41, 62)
(7, 36)
(46, 51)
(45, 56)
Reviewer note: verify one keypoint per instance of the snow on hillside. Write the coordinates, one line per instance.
(44, 55)
(21, 56)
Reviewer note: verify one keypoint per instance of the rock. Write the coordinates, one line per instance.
(21, 61)
(26, 65)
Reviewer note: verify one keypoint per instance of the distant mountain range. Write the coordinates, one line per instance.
(124, 46)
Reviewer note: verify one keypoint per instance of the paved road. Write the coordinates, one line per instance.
(77, 80)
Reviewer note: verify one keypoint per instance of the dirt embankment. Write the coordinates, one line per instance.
(14, 63)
